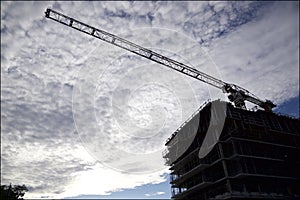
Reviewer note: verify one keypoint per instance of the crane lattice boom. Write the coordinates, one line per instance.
(238, 95)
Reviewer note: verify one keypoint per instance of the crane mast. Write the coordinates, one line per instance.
(237, 94)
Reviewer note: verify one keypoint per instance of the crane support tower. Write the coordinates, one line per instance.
(236, 94)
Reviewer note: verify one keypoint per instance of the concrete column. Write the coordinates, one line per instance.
(224, 167)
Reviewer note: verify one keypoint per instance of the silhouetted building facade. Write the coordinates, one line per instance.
(257, 156)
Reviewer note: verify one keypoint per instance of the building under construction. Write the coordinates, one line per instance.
(257, 156)
(221, 152)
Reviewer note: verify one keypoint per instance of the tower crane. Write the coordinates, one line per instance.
(236, 94)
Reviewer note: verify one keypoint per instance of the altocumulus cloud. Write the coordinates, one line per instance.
(253, 44)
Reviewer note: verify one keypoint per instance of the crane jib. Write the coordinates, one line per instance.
(134, 48)
(158, 58)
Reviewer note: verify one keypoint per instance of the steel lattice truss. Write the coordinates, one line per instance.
(237, 94)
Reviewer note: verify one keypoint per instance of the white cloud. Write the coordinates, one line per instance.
(99, 180)
(254, 44)
(262, 56)
(154, 194)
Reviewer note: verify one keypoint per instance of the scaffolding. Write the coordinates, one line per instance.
(256, 157)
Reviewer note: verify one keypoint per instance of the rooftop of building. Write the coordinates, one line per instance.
(208, 102)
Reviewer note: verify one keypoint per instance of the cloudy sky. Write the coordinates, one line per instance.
(82, 118)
